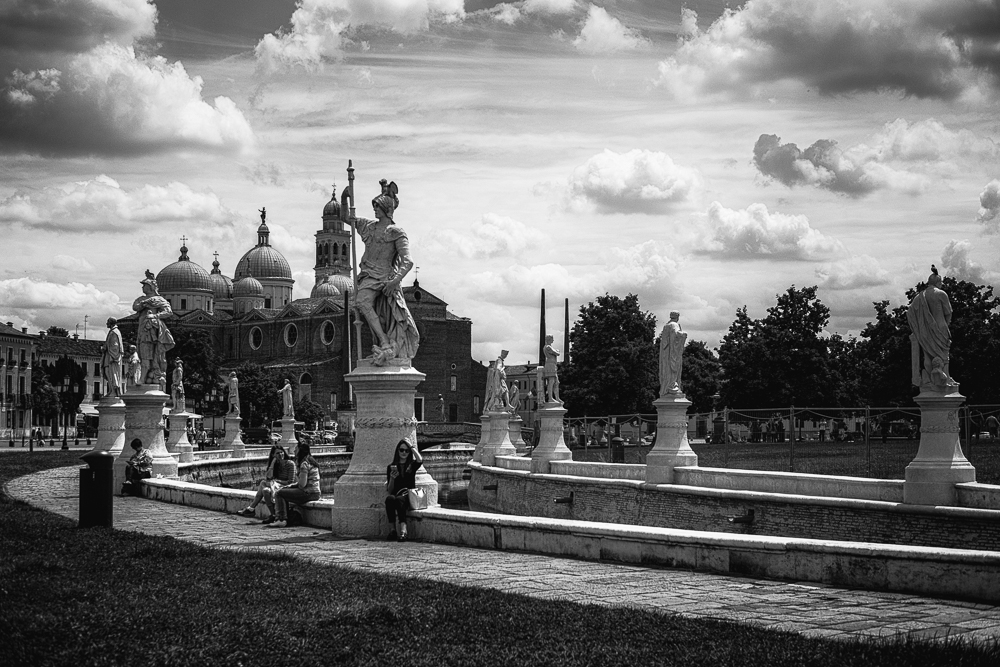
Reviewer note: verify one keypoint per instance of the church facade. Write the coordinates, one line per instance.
(253, 317)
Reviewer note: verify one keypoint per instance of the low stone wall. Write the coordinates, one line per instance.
(636, 503)
(888, 490)
(938, 572)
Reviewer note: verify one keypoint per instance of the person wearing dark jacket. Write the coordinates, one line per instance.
(400, 477)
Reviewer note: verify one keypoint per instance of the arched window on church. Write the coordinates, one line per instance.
(335, 252)
(343, 251)
(305, 386)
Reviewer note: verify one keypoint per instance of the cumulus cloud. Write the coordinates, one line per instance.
(71, 83)
(40, 304)
(317, 28)
(603, 33)
(494, 236)
(639, 181)
(549, 6)
(756, 232)
(102, 205)
(989, 207)
(826, 166)
(926, 141)
(72, 264)
(651, 266)
(853, 273)
(264, 173)
(922, 48)
(955, 262)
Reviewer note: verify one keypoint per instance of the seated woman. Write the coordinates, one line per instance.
(400, 477)
(138, 467)
(279, 469)
(304, 490)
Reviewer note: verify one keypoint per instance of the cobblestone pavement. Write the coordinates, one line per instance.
(810, 609)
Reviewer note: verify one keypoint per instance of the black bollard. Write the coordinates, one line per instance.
(96, 490)
(65, 445)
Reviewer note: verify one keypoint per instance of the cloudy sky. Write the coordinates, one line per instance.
(703, 154)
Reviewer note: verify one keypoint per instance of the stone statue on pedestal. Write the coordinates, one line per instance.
(497, 399)
(153, 339)
(548, 378)
(112, 359)
(514, 397)
(672, 341)
(133, 370)
(287, 404)
(929, 316)
(177, 387)
(234, 395)
(385, 262)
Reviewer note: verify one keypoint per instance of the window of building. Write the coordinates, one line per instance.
(453, 412)
(327, 332)
(291, 335)
(97, 390)
(97, 370)
(267, 302)
(305, 386)
(184, 304)
(418, 408)
(454, 383)
(20, 385)
(22, 355)
(256, 338)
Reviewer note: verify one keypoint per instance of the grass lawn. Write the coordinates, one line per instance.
(105, 597)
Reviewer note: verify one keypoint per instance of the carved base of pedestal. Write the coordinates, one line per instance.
(551, 443)
(672, 448)
(484, 437)
(498, 443)
(516, 438)
(384, 396)
(111, 425)
(288, 438)
(233, 441)
(931, 477)
(144, 421)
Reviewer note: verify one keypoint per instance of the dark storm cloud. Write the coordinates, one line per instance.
(822, 165)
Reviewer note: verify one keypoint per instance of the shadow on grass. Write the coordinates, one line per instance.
(105, 597)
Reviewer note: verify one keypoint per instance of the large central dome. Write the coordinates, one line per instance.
(263, 262)
(184, 276)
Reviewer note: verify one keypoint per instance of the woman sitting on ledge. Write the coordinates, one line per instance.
(304, 490)
(138, 467)
(400, 477)
(280, 471)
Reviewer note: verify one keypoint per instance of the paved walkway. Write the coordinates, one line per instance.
(800, 607)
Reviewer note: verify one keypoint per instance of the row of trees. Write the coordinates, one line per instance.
(784, 358)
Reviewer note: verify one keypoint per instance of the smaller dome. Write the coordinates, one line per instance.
(332, 207)
(248, 286)
(222, 286)
(325, 288)
(183, 276)
(343, 284)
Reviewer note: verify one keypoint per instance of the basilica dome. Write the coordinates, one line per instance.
(222, 286)
(263, 261)
(248, 286)
(183, 276)
(332, 207)
(325, 288)
(343, 284)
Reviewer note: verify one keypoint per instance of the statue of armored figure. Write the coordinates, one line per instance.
(153, 338)
(929, 316)
(672, 341)
(383, 265)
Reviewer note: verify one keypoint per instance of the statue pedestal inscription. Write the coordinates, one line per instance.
(384, 396)
(144, 420)
(111, 425)
(177, 440)
(551, 443)
(232, 440)
(498, 442)
(672, 448)
(931, 477)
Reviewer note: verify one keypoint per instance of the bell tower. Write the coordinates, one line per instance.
(333, 242)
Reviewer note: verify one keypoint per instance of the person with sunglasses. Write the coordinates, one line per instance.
(400, 477)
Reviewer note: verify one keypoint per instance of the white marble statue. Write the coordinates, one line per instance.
(153, 338)
(385, 262)
(929, 316)
(133, 367)
(234, 395)
(514, 397)
(549, 377)
(287, 404)
(497, 398)
(672, 341)
(177, 387)
(112, 359)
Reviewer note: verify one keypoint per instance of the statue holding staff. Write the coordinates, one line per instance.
(153, 339)
(113, 359)
(672, 341)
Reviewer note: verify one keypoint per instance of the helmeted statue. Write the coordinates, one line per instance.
(153, 338)
(385, 262)
(113, 359)
(929, 316)
(672, 341)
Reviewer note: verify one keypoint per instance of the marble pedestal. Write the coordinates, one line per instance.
(232, 440)
(672, 448)
(384, 396)
(498, 441)
(516, 438)
(484, 437)
(551, 443)
(144, 420)
(111, 425)
(931, 477)
(177, 440)
(288, 439)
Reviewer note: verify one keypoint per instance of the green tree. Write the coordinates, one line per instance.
(259, 401)
(882, 359)
(614, 363)
(701, 373)
(309, 412)
(69, 380)
(201, 364)
(44, 397)
(59, 332)
(781, 359)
